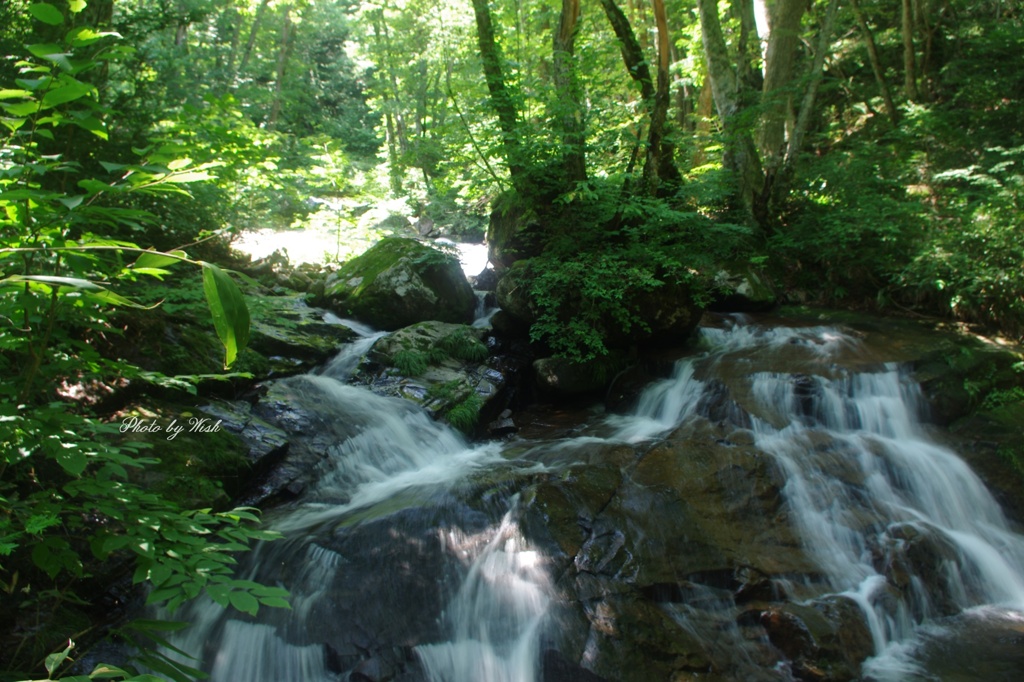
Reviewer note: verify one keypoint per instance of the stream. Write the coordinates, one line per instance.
(774, 510)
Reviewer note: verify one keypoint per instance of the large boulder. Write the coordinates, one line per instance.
(399, 282)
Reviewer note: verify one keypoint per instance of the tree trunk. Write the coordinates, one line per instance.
(568, 110)
(501, 99)
(740, 154)
(821, 50)
(909, 65)
(659, 162)
(784, 18)
(659, 166)
(876, 64)
(748, 47)
(282, 66)
(632, 53)
(252, 35)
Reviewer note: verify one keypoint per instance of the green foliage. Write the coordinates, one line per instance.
(974, 264)
(852, 221)
(460, 344)
(607, 253)
(464, 415)
(56, 662)
(999, 397)
(410, 363)
(463, 344)
(73, 492)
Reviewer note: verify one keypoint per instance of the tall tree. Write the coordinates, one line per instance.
(784, 18)
(501, 98)
(876, 63)
(568, 107)
(741, 155)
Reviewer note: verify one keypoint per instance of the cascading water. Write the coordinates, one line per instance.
(385, 459)
(406, 559)
(861, 476)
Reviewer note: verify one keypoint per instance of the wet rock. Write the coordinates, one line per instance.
(640, 544)
(399, 282)
(913, 551)
(556, 668)
(827, 640)
(987, 644)
(562, 377)
(636, 641)
(502, 427)
(296, 335)
(513, 231)
(265, 443)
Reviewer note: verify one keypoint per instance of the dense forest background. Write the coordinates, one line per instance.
(857, 153)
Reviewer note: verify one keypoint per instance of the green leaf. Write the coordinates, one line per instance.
(84, 36)
(46, 13)
(71, 202)
(38, 523)
(93, 125)
(76, 6)
(66, 93)
(189, 176)
(45, 50)
(244, 602)
(21, 108)
(8, 93)
(72, 461)
(108, 297)
(227, 307)
(275, 602)
(157, 259)
(75, 282)
(108, 672)
(53, 661)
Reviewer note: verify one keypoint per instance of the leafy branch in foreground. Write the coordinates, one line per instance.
(76, 502)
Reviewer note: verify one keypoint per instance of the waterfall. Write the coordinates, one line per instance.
(387, 467)
(496, 616)
(861, 474)
(408, 523)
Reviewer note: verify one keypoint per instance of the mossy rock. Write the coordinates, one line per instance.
(399, 282)
(512, 231)
(742, 288)
(667, 314)
(285, 327)
(201, 464)
(440, 366)
(563, 377)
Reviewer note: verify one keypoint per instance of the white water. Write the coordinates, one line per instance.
(383, 452)
(859, 470)
(497, 615)
(861, 475)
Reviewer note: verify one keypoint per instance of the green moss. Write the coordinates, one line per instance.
(419, 348)
(381, 257)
